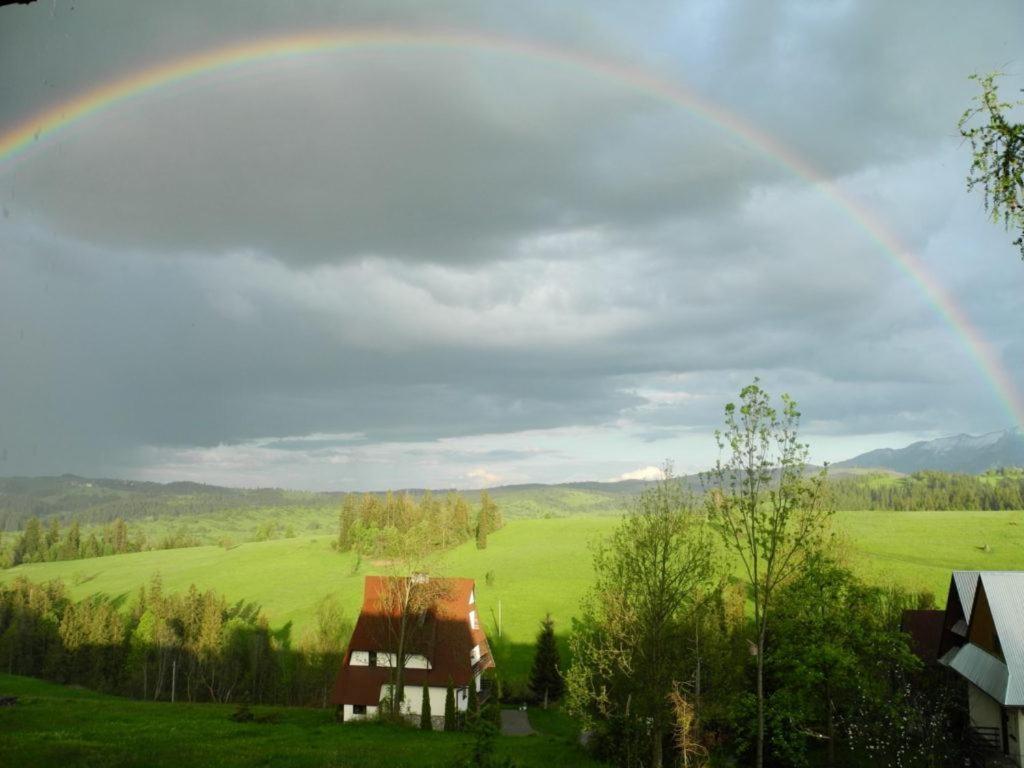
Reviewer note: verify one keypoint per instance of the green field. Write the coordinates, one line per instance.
(538, 565)
(71, 727)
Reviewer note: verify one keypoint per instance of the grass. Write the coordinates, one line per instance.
(538, 566)
(70, 727)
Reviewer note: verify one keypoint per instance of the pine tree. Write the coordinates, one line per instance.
(481, 531)
(426, 723)
(545, 678)
(491, 512)
(473, 710)
(450, 723)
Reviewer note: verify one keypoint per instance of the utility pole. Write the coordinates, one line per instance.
(174, 677)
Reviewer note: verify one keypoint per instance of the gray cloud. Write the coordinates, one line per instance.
(452, 267)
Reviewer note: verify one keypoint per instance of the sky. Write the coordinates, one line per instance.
(449, 266)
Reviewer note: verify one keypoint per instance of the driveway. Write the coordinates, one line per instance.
(514, 722)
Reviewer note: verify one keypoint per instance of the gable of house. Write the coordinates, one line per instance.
(991, 652)
(444, 645)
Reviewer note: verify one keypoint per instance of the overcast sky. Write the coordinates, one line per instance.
(432, 266)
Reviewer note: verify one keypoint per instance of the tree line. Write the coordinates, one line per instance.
(381, 526)
(1001, 489)
(40, 543)
(794, 662)
(192, 646)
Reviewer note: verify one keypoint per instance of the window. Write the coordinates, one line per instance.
(358, 709)
(472, 620)
(373, 659)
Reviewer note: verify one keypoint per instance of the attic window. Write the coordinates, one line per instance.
(373, 659)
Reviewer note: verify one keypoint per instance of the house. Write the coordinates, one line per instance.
(981, 638)
(443, 641)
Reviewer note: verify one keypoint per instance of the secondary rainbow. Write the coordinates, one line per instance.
(40, 126)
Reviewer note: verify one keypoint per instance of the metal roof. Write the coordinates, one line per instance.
(965, 582)
(1004, 590)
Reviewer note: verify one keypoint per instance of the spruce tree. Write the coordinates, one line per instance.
(450, 723)
(481, 531)
(426, 723)
(473, 710)
(545, 678)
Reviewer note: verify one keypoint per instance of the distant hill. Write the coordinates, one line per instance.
(970, 454)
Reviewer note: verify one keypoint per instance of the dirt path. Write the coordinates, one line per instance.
(514, 722)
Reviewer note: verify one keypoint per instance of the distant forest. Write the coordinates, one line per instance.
(69, 499)
(995, 490)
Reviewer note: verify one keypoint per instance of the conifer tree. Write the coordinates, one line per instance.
(481, 531)
(450, 723)
(473, 710)
(426, 723)
(545, 678)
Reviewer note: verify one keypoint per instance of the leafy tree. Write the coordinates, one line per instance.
(997, 165)
(633, 642)
(769, 513)
(834, 655)
(546, 681)
(426, 723)
(450, 713)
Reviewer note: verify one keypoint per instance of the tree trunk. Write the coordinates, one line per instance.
(656, 748)
(831, 727)
(759, 761)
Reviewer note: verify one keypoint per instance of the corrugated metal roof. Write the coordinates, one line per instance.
(981, 668)
(1004, 591)
(965, 582)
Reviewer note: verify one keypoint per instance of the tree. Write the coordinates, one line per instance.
(835, 651)
(769, 513)
(481, 531)
(545, 677)
(997, 164)
(632, 643)
(450, 714)
(426, 723)
(473, 705)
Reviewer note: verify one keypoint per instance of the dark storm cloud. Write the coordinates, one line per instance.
(397, 268)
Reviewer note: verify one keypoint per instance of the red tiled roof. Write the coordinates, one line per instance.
(444, 636)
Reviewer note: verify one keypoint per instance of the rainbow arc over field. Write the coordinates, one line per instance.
(16, 140)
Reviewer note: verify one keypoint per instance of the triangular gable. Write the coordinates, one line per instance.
(982, 630)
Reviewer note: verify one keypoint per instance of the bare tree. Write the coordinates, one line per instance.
(407, 603)
(770, 513)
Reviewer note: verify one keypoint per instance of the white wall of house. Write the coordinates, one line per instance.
(412, 699)
(984, 710)
(1014, 729)
(349, 713)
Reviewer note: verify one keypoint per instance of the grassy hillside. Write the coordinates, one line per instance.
(537, 565)
(54, 725)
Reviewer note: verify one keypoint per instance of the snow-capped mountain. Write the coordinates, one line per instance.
(960, 453)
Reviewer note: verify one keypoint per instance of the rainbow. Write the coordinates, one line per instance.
(16, 140)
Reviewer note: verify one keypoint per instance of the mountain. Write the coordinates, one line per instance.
(961, 453)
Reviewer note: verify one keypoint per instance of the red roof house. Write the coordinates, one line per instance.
(443, 642)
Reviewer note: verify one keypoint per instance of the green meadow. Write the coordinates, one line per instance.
(531, 567)
(72, 727)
